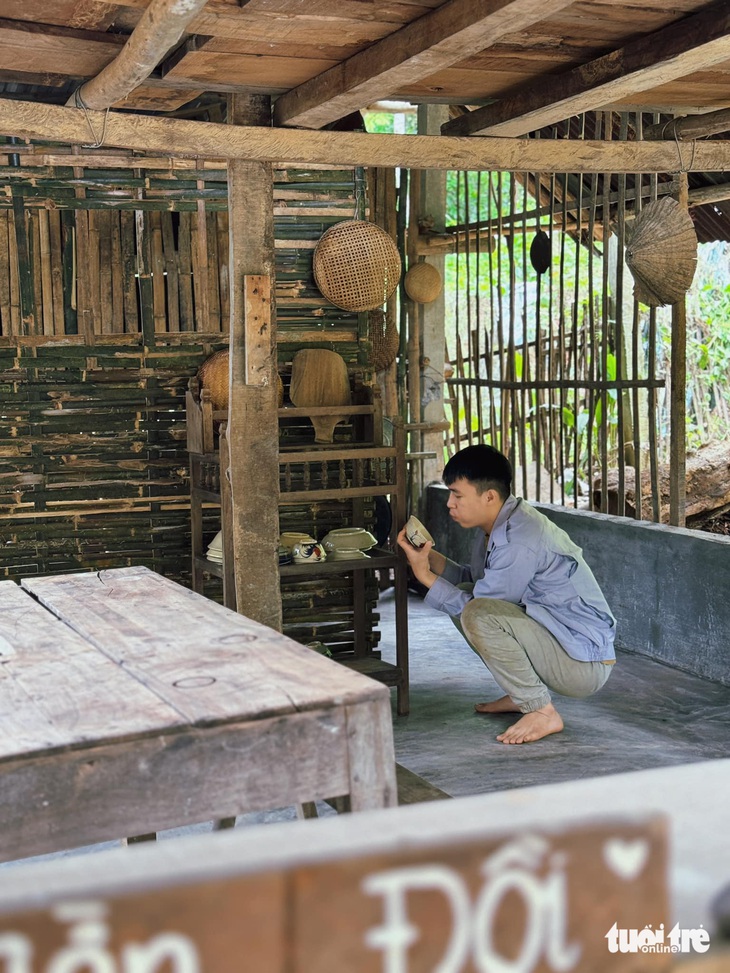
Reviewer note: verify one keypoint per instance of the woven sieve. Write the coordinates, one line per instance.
(356, 265)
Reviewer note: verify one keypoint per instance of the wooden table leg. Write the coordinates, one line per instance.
(371, 756)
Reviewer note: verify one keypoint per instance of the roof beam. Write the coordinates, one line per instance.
(690, 126)
(209, 140)
(427, 45)
(687, 45)
(160, 27)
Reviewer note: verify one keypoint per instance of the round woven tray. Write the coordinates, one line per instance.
(356, 265)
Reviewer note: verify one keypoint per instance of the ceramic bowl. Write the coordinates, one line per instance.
(308, 552)
(347, 540)
(291, 537)
(416, 532)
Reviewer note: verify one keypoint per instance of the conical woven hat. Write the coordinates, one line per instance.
(662, 253)
(356, 265)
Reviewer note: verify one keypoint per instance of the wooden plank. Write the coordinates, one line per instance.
(5, 316)
(206, 659)
(211, 272)
(224, 256)
(117, 275)
(690, 44)
(259, 328)
(91, 271)
(447, 35)
(184, 249)
(413, 892)
(15, 318)
(172, 277)
(56, 691)
(36, 271)
(173, 778)
(258, 143)
(32, 47)
(129, 270)
(199, 248)
(56, 259)
(106, 307)
(158, 272)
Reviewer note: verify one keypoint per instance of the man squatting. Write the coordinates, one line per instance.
(528, 604)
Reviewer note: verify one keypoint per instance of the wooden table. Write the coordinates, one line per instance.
(129, 704)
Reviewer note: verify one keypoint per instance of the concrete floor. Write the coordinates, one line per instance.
(647, 715)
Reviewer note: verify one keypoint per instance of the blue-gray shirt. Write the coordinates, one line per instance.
(533, 563)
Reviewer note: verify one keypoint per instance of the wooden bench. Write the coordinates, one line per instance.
(129, 704)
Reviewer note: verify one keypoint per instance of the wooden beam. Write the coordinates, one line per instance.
(210, 140)
(688, 45)
(690, 126)
(160, 27)
(717, 193)
(427, 45)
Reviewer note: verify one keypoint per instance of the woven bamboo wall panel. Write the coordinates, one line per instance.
(105, 242)
(113, 291)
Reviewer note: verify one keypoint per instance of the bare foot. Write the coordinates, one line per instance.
(533, 726)
(505, 704)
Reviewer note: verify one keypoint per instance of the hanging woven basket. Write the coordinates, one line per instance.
(662, 253)
(356, 265)
(422, 283)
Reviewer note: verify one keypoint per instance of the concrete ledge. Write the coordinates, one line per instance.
(667, 586)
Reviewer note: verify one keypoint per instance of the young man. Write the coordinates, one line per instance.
(528, 605)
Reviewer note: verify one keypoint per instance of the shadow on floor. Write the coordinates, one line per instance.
(647, 715)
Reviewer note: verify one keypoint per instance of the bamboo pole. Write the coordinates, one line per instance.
(677, 420)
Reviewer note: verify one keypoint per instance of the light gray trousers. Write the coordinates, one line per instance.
(524, 658)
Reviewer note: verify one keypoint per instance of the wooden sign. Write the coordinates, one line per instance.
(538, 901)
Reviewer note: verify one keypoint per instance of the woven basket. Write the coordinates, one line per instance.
(662, 253)
(213, 376)
(384, 340)
(356, 265)
(422, 283)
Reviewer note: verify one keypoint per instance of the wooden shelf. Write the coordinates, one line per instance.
(367, 469)
(212, 567)
(377, 559)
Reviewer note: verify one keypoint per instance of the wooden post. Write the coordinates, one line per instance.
(253, 425)
(677, 406)
(433, 341)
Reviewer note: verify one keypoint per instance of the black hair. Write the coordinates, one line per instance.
(483, 466)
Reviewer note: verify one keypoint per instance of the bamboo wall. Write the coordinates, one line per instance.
(113, 290)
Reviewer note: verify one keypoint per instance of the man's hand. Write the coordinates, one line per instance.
(418, 559)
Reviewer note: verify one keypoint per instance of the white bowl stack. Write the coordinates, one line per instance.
(345, 543)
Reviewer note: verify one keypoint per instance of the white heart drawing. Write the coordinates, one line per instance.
(626, 858)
